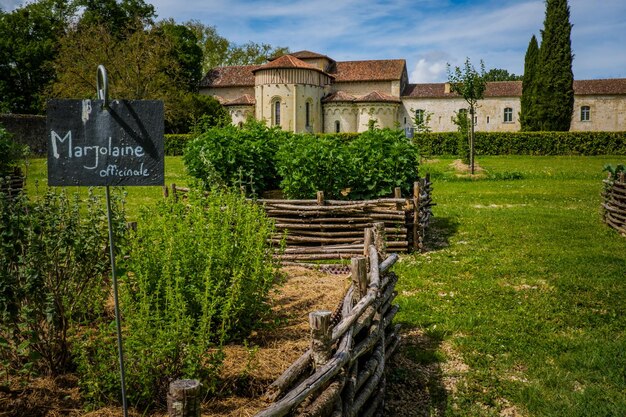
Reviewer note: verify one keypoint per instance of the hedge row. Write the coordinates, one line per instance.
(487, 143)
(527, 143)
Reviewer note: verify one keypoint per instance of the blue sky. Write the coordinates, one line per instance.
(427, 33)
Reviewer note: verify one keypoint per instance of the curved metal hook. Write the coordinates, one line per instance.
(102, 82)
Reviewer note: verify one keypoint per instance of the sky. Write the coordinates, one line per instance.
(428, 34)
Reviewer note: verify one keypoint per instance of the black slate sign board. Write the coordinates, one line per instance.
(89, 145)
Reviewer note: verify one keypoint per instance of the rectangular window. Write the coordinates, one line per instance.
(585, 114)
(419, 116)
(508, 115)
(337, 126)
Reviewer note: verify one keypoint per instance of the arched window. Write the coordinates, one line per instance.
(276, 112)
(508, 115)
(337, 126)
(419, 116)
(307, 113)
(585, 113)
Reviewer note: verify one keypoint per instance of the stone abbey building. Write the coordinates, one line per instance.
(308, 92)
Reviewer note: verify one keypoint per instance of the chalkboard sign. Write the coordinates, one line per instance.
(89, 145)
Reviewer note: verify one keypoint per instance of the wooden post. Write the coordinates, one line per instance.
(368, 240)
(622, 177)
(320, 337)
(416, 215)
(320, 198)
(184, 398)
(174, 192)
(166, 191)
(379, 240)
(358, 267)
(397, 193)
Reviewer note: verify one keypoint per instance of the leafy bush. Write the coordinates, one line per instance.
(53, 263)
(381, 160)
(198, 274)
(175, 143)
(10, 153)
(236, 156)
(528, 143)
(187, 109)
(369, 165)
(614, 171)
(308, 164)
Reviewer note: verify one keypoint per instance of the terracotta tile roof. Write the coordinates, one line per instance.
(374, 70)
(600, 87)
(287, 61)
(309, 55)
(245, 100)
(437, 90)
(338, 96)
(377, 96)
(426, 90)
(503, 89)
(233, 76)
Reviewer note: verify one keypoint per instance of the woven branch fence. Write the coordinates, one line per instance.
(614, 203)
(323, 229)
(342, 374)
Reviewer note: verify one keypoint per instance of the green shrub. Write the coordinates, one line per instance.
(198, 275)
(309, 163)
(236, 156)
(381, 160)
(175, 143)
(10, 153)
(53, 268)
(528, 143)
(369, 164)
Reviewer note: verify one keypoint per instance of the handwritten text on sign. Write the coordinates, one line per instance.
(91, 145)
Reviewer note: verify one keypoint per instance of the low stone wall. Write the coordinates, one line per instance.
(27, 129)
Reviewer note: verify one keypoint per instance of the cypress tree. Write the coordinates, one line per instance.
(528, 117)
(555, 79)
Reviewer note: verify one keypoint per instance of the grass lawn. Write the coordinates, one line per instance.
(521, 301)
(524, 289)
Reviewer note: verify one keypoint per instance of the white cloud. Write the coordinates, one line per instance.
(431, 68)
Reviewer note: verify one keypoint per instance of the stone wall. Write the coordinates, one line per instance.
(28, 130)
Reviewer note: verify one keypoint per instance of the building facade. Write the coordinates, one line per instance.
(309, 92)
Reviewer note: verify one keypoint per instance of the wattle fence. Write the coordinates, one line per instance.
(343, 372)
(614, 203)
(320, 229)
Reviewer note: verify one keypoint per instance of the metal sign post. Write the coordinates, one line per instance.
(103, 94)
(103, 143)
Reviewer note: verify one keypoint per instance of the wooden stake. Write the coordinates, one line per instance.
(397, 193)
(320, 198)
(358, 267)
(379, 240)
(184, 398)
(320, 337)
(416, 214)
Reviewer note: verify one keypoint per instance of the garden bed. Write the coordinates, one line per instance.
(248, 368)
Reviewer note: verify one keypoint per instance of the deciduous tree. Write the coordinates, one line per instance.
(469, 84)
(28, 45)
